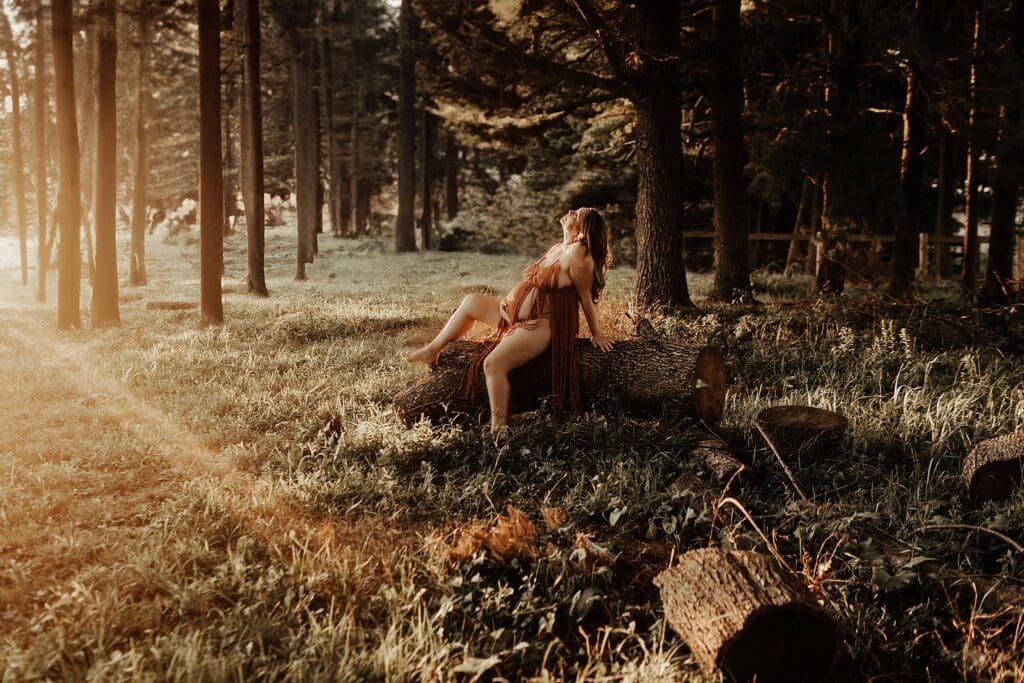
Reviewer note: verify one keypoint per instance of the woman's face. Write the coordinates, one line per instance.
(572, 220)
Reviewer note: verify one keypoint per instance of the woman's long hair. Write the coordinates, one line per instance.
(596, 236)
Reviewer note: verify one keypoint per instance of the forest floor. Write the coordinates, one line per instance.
(241, 502)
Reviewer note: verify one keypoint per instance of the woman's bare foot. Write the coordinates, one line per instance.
(424, 355)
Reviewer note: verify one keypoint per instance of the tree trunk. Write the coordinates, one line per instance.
(644, 375)
(85, 82)
(831, 270)
(69, 314)
(802, 431)
(333, 165)
(405, 229)
(211, 173)
(817, 206)
(794, 244)
(994, 468)
(39, 116)
(304, 115)
(901, 276)
(943, 199)
(228, 164)
(318, 186)
(732, 262)
(252, 145)
(660, 268)
(105, 309)
(362, 205)
(429, 128)
(839, 91)
(451, 175)
(1008, 176)
(740, 612)
(969, 268)
(17, 153)
(1005, 195)
(140, 192)
(354, 172)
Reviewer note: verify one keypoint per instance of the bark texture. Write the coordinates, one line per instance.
(717, 457)
(104, 308)
(405, 228)
(803, 431)
(304, 116)
(740, 612)
(644, 375)
(731, 258)
(994, 468)
(69, 313)
(140, 192)
(252, 146)
(660, 269)
(211, 172)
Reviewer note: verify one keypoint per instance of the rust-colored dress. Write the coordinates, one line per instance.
(561, 305)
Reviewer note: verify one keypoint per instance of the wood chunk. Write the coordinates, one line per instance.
(644, 376)
(717, 457)
(803, 431)
(740, 612)
(994, 468)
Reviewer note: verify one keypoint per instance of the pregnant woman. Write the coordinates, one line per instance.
(542, 309)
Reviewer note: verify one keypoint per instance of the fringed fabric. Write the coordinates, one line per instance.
(562, 304)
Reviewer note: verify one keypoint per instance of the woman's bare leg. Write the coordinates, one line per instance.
(519, 347)
(474, 307)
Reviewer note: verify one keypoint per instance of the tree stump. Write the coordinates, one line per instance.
(994, 468)
(740, 612)
(798, 431)
(644, 376)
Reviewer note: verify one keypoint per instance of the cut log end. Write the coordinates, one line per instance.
(994, 468)
(709, 385)
(743, 613)
(791, 642)
(802, 417)
(802, 430)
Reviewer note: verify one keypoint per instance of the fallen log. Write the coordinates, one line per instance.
(802, 431)
(738, 611)
(717, 457)
(644, 376)
(994, 468)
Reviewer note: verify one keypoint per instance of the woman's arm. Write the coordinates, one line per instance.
(581, 271)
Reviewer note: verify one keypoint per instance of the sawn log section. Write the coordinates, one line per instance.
(644, 375)
(740, 612)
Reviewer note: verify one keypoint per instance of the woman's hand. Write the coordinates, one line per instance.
(602, 342)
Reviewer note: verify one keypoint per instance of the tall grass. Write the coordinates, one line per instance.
(240, 503)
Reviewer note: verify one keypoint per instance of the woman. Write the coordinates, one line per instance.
(542, 310)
